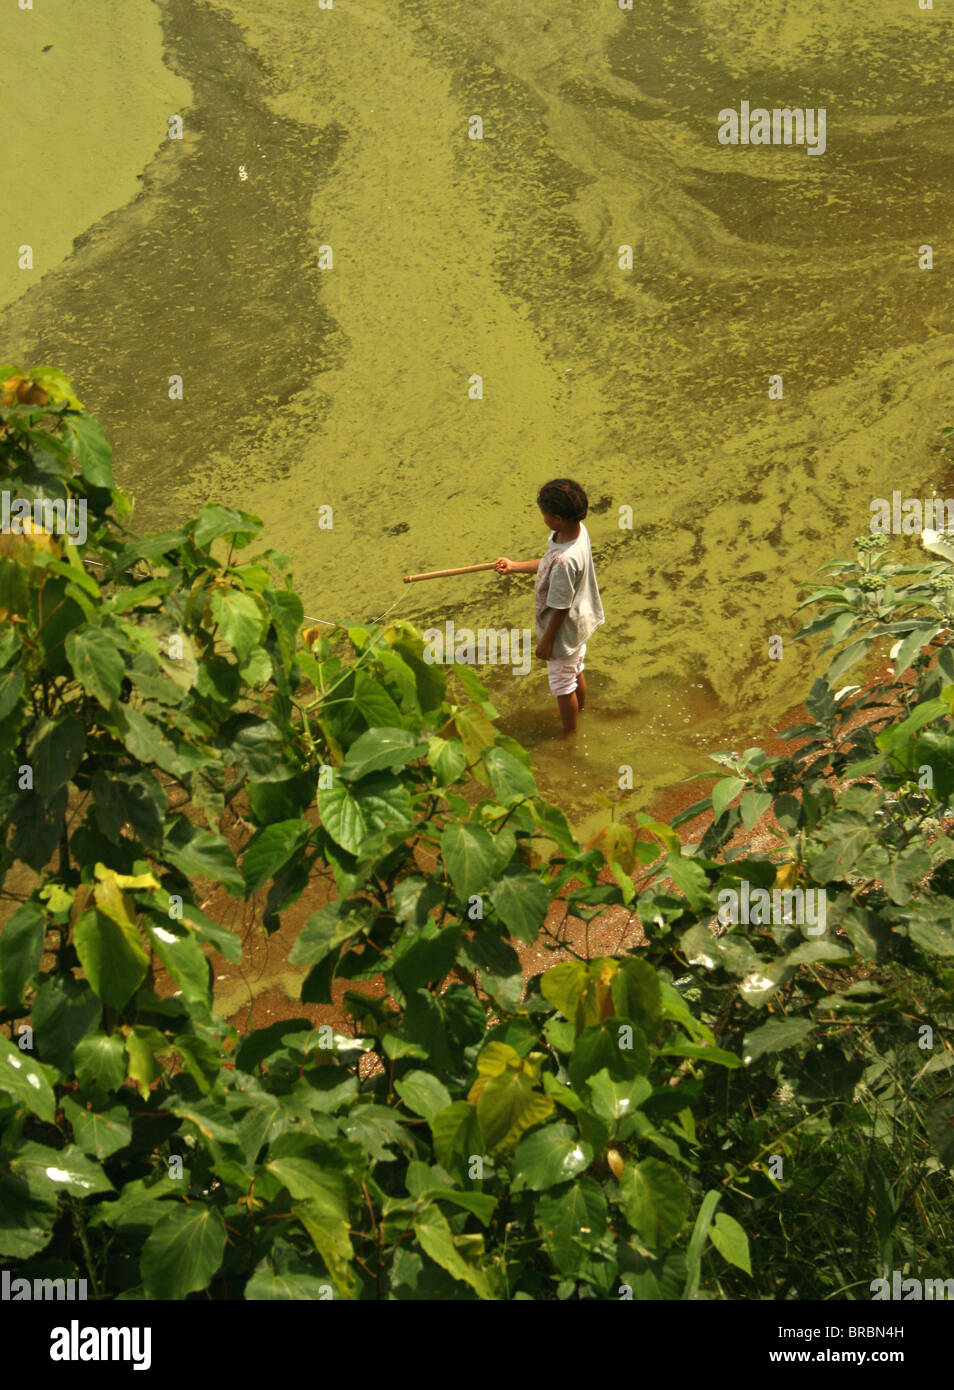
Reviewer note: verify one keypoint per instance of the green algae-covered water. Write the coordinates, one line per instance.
(350, 386)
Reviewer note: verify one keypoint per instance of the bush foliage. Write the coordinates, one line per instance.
(727, 1109)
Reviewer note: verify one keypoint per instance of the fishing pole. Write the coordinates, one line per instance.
(444, 574)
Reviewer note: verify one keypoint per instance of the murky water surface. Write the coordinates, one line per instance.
(348, 387)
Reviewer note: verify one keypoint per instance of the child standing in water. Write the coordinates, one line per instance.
(567, 603)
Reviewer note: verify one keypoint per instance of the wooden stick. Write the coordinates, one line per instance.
(443, 574)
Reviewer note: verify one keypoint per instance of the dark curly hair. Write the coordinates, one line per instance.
(564, 498)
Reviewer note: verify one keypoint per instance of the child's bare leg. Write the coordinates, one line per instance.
(581, 690)
(568, 709)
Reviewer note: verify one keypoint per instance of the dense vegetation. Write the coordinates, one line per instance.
(730, 1110)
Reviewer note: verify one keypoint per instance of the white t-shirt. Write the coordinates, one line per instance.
(567, 579)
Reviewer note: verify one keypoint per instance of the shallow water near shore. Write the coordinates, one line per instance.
(499, 257)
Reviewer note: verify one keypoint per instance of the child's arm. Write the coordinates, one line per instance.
(505, 566)
(545, 645)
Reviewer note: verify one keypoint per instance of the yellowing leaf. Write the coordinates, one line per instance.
(131, 880)
(618, 844)
(786, 875)
(142, 1046)
(506, 1106)
(496, 1057)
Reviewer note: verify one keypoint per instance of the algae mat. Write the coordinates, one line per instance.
(348, 387)
(86, 95)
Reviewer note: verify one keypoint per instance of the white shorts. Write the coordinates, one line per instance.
(562, 674)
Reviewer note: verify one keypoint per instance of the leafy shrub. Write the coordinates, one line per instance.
(165, 731)
(845, 1037)
(728, 1108)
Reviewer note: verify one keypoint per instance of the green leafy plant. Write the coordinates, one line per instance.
(838, 1123)
(170, 741)
(729, 1101)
